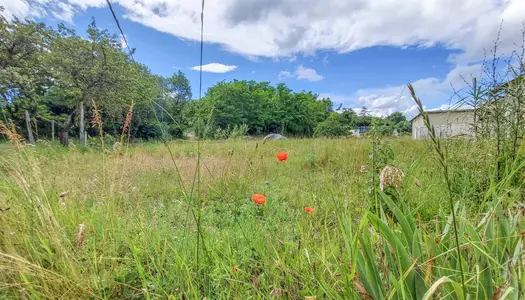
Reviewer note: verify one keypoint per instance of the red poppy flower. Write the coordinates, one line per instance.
(259, 198)
(282, 156)
(309, 209)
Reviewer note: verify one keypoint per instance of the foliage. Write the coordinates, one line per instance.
(333, 126)
(263, 108)
(23, 73)
(54, 73)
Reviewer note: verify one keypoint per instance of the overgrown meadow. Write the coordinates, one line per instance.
(153, 221)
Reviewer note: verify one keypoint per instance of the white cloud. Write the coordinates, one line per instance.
(308, 74)
(64, 13)
(215, 68)
(253, 58)
(61, 10)
(284, 74)
(432, 92)
(274, 28)
(301, 73)
(18, 8)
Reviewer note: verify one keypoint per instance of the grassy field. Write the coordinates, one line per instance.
(152, 222)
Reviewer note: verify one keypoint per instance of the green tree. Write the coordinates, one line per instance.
(23, 77)
(348, 117)
(262, 108)
(85, 70)
(395, 118)
(175, 93)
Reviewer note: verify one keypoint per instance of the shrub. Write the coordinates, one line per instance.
(332, 127)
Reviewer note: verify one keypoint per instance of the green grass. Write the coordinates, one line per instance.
(143, 209)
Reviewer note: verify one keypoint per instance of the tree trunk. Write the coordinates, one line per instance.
(29, 130)
(81, 125)
(64, 130)
(53, 131)
(64, 136)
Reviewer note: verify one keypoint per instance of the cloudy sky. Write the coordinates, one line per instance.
(357, 52)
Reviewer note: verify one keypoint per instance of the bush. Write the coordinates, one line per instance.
(332, 127)
(175, 131)
(239, 131)
(147, 131)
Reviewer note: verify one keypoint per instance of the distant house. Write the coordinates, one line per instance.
(447, 123)
(362, 129)
(460, 122)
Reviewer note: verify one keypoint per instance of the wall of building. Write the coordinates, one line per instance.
(446, 124)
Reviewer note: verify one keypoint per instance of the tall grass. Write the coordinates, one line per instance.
(128, 225)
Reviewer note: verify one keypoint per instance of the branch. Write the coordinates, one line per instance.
(60, 124)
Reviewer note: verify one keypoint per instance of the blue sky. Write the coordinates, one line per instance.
(356, 52)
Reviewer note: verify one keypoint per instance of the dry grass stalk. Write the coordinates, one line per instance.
(80, 236)
(360, 287)
(417, 182)
(23, 294)
(97, 119)
(117, 146)
(11, 134)
(391, 176)
(127, 123)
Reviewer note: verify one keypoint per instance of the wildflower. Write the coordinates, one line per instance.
(309, 209)
(259, 198)
(235, 269)
(391, 176)
(282, 156)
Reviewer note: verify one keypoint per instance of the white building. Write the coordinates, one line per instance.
(447, 123)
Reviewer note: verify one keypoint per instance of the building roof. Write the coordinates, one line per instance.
(443, 111)
(506, 84)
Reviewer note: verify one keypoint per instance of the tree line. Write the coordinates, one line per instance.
(51, 80)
